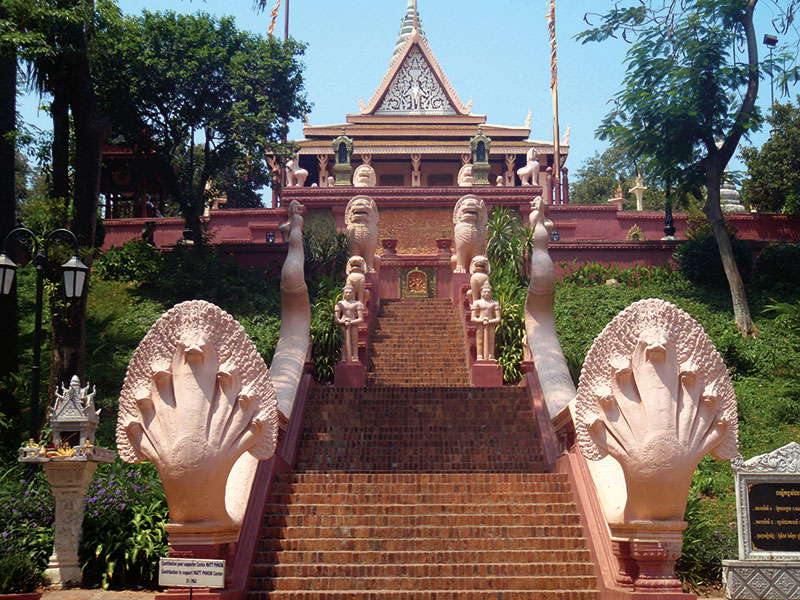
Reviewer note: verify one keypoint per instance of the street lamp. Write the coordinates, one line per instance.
(75, 273)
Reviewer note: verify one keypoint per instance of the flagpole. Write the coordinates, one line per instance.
(286, 23)
(551, 18)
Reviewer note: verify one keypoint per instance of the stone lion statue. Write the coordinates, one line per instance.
(361, 220)
(469, 229)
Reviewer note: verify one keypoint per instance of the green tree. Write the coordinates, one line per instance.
(175, 83)
(686, 101)
(8, 202)
(772, 182)
(597, 179)
(52, 38)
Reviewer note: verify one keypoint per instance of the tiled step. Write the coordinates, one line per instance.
(417, 342)
(517, 510)
(406, 569)
(432, 583)
(437, 544)
(421, 594)
(372, 557)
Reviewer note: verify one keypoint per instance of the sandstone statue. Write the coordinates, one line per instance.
(295, 176)
(361, 220)
(529, 174)
(655, 394)
(479, 269)
(469, 231)
(486, 315)
(348, 313)
(364, 176)
(356, 266)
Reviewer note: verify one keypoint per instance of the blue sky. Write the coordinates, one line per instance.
(494, 52)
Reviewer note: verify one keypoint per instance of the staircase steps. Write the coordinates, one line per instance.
(418, 342)
(419, 486)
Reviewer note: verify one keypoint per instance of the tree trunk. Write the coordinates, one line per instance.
(91, 129)
(60, 112)
(741, 309)
(9, 363)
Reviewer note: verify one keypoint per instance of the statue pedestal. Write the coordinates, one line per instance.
(459, 284)
(350, 374)
(646, 552)
(69, 480)
(486, 373)
(480, 173)
(200, 540)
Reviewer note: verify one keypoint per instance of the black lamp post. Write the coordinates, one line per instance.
(75, 273)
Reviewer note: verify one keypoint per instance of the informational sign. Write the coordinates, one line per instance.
(774, 516)
(191, 572)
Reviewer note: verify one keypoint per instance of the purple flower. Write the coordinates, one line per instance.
(5, 534)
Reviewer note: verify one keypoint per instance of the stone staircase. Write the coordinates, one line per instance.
(418, 342)
(421, 492)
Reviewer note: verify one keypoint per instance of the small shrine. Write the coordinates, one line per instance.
(69, 460)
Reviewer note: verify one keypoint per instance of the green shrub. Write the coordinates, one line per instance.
(136, 261)
(326, 335)
(778, 265)
(18, 573)
(706, 543)
(699, 260)
(26, 514)
(123, 527)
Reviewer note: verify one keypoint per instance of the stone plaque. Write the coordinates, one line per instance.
(774, 516)
(768, 514)
(768, 504)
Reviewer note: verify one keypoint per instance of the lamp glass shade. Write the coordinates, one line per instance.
(74, 277)
(7, 270)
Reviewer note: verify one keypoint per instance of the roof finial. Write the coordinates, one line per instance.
(410, 22)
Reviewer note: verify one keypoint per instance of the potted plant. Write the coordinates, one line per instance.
(444, 242)
(19, 577)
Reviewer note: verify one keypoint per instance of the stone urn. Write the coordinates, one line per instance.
(444, 245)
(389, 245)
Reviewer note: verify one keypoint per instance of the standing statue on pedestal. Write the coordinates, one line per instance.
(486, 314)
(348, 313)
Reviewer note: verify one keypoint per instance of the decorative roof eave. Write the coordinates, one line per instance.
(415, 39)
(411, 128)
(380, 148)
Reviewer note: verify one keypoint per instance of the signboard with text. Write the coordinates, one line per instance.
(191, 572)
(768, 505)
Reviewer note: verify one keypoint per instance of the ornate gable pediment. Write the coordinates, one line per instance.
(415, 85)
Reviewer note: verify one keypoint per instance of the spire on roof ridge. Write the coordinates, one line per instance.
(410, 22)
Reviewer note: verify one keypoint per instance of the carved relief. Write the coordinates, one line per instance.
(361, 220)
(418, 283)
(415, 89)
(469, 228)
(197, 395)
(655, 394)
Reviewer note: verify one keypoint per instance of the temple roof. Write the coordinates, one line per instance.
(416, 109)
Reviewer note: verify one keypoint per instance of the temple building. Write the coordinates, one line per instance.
(416, 131)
